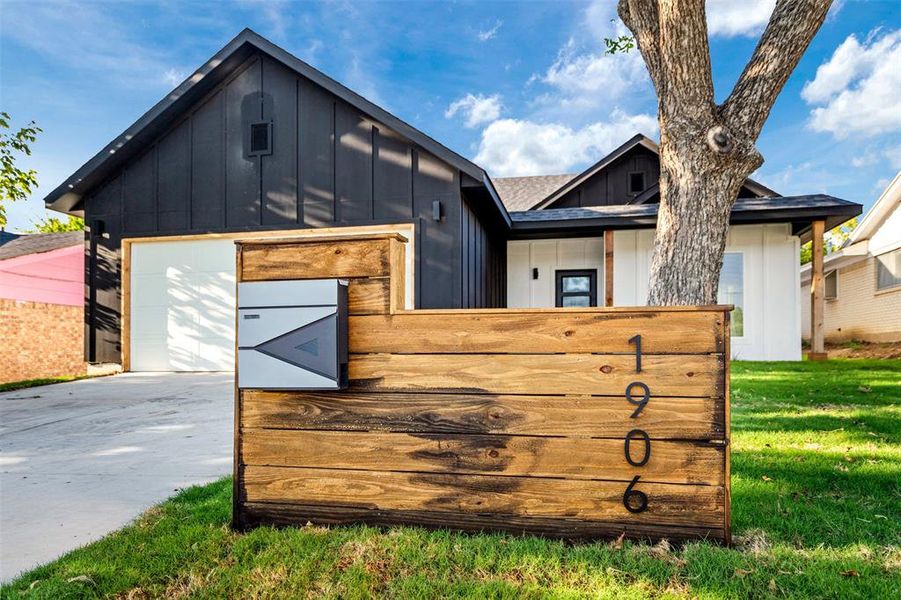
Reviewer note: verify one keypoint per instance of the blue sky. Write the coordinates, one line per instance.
(520, 87)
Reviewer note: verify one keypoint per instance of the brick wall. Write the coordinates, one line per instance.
(860, 312)
(40, 340)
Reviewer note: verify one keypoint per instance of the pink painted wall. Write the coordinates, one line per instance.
(55, 277)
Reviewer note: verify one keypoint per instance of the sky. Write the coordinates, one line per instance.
(521, 88)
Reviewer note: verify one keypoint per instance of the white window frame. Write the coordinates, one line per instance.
(744, 287)
(832, 273)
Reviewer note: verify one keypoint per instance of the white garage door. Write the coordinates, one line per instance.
(183, 305)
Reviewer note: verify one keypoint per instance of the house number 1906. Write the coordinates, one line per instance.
(634, 500)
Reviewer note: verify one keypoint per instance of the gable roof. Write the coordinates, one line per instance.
(522, 193)
(67, 196)
(35, 243)
(638, 140)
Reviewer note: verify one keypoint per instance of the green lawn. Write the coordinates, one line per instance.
(816, 490)
(28, 383)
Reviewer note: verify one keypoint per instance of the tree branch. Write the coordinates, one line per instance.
(640, 16)
(685, 61)
(790, 30)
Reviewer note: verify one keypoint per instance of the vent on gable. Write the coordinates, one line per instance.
(636, 182)
(260, 138)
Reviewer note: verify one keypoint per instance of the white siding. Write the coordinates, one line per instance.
(548, 256)
(771, 286)
(183, 305)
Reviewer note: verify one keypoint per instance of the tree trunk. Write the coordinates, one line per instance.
(692, 225)
(707, 150)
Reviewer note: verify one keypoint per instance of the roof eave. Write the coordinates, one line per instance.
(638, 139)
(67, 196)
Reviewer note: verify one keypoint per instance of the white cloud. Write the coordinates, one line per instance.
(511, 147)
(172, 77)
(486, 34)
(731, 18)
(590, 79)
(857, 88)
(475, 109)
(66, 34)
(584, 78)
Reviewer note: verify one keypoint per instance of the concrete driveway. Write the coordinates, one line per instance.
(81, 459)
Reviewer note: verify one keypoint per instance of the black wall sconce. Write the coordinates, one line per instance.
(534, 272)
(436, 210)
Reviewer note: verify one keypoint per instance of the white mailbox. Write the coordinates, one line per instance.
(292, 335)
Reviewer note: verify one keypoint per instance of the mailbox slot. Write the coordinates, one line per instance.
(292, 335)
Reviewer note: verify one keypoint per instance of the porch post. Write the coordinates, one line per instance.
(608, 267)
(817, 294)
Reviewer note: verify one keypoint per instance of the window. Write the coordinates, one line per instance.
(888, 270)
(260, 138)
(636, 182)
(831, 281)
(732, 290)
(577, 288)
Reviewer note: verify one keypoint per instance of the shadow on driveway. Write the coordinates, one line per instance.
(81, 459)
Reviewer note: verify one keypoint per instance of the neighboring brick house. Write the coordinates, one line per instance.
(42, 306)
(863, 278)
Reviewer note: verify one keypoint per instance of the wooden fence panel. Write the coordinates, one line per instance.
(578, 423)
(577, 416)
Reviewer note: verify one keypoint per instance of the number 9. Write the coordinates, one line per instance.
(646, 395)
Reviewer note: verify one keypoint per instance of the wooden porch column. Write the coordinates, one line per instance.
(817, 294)
(608, 267)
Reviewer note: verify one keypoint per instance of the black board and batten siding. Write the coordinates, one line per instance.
(330, 166)
(611, 185)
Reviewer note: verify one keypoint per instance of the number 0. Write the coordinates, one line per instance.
(638, 433)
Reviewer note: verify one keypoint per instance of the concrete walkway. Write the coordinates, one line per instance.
(81, 459)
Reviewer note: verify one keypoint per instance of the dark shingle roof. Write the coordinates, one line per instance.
(799, 210)
(522, 193)
(40, 242)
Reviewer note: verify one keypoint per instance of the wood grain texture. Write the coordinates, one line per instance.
(368, 296)
(608, 375)
(397, 260)
(668, 418)
(485, 494)
(550, 331)
(286, 515)
(570, 458)
(317, 260)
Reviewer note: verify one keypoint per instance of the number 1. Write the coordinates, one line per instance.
(637, 341)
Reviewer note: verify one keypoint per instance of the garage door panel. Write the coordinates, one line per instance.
(182, 305)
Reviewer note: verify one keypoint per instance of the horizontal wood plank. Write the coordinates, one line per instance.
(696, 505)
(668, 418)
(571, 458)
(254, 514)
(317, 260)
(549, 331)
(608, 375)
(368, 296)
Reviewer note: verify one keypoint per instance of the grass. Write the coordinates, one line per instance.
(29, 383)
(816, 509)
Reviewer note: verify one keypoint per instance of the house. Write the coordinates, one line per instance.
(42, 306)
(258, 143)
(863, 278)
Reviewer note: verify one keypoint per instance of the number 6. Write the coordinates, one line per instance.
(630, 494)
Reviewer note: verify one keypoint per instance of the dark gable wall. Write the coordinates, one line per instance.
(330, 166)
(611, 185)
